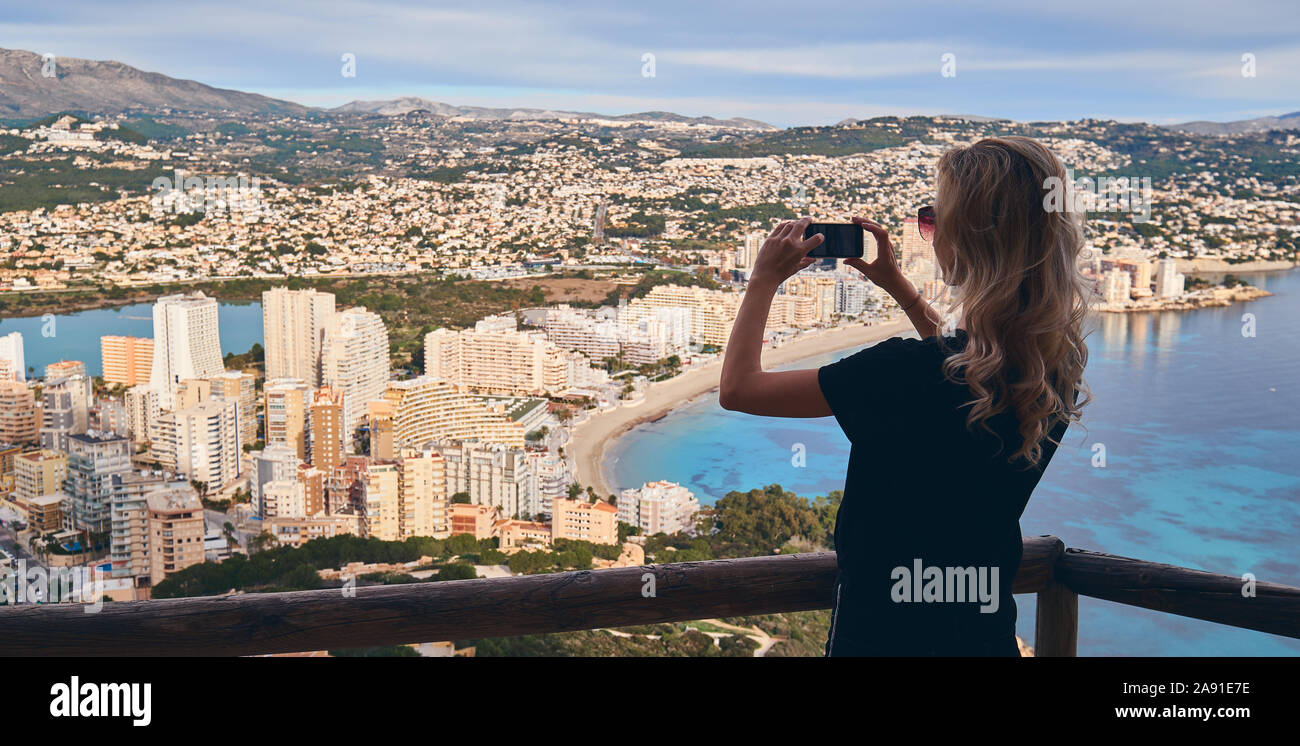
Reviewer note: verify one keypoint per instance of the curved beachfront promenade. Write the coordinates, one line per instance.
(592, 437)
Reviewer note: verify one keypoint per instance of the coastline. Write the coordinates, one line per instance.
(1207, 266)
(1214, 298)
(591, 439)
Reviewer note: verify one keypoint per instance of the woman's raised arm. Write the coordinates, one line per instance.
(745, 386)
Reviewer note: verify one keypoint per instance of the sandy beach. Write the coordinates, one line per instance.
(591, 438)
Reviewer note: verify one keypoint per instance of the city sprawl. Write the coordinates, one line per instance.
(446, 300)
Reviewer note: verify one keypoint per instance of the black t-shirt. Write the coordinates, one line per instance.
(928, 533)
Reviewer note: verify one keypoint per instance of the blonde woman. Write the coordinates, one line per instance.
(949, 435)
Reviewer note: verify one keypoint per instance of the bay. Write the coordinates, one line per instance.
(1201, 430)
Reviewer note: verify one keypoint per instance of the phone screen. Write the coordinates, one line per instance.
(841, 239)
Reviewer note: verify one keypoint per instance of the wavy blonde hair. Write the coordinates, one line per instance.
(1015, 268)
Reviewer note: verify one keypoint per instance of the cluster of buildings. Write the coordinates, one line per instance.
(1126, 276)
(327, 442)
(556, 189)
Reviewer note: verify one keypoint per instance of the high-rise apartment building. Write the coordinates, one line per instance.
(202, 443)
(141, 403)
(129, 543)
(186, 343)
(286, 413)
(659, 507)
(1169, 282)
(428, 409)
(240, 387)
(39, 473)
(404, 497)
(13, 364)
(126, 360)
(712, 311)
(748, 251)
(65, 411)
(1116, 285)
(326, 418)
(284, 498)
(18, 415)
(648, 334)
(490, 474)
(852, 295)
(820, 287)
(313, 488)
(791, 311)
(176, 529)
(380, 501)
(584, 521)
(8, 452)
(579, 330)
(108, 415)
(550, 480)
(294, 326)
(492, 361)
(422, 495)
(275, 463)
(355, 363)
(93, 460)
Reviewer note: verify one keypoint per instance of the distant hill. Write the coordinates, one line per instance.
(1261, 124)
(110, 87)
(408, 104)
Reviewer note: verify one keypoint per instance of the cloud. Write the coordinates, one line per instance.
(820, 59)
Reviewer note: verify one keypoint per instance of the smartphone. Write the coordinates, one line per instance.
(841, 240)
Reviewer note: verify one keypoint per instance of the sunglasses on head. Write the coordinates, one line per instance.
(925, 222)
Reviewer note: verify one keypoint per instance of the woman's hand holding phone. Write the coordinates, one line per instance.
(784, 253)
(884, 271)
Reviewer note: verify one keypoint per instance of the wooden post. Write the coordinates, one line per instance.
(1056, 629)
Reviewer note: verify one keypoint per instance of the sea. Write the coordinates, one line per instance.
(1197, 414)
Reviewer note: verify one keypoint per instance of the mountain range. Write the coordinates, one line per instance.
(108, 87)
(408, 104)
(1260, 124)
(111, 87)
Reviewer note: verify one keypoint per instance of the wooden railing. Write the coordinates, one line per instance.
(259, 623)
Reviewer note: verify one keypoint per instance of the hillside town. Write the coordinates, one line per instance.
(175, 455)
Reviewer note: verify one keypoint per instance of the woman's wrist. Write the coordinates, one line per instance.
(762, 285)
(908, 305)
(901, 290)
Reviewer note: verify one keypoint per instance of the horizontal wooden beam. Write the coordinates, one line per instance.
(1171, 589)
(255, 623)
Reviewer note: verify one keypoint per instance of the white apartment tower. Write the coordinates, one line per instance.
(186, 343)
(141, 412)
(659, 507)
(1116, 286)
(295, 324)
(13, 366)
(355, 362)
(1169, 283)
(201, 442)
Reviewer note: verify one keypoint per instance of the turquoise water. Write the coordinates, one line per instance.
(1201, 427)
(76, 335)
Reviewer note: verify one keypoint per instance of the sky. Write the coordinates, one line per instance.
(786, 63)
